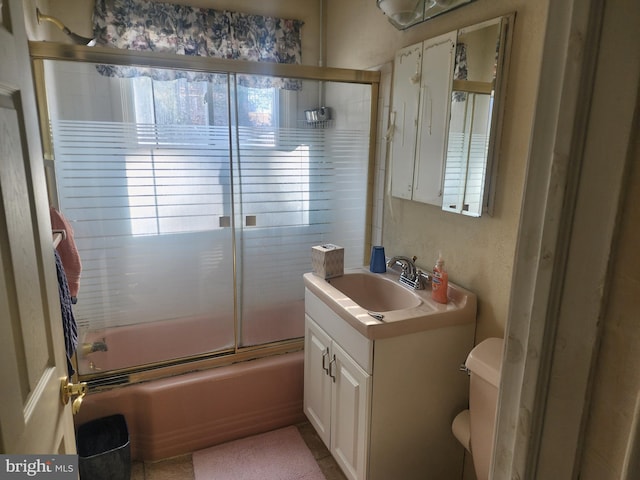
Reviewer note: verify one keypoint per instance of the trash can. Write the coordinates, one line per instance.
(104, 452)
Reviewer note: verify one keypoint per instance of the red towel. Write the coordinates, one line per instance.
(68, 252)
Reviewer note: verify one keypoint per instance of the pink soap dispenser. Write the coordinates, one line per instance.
(440, 282)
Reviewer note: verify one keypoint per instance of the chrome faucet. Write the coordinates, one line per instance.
(411, 276)
(407, 265)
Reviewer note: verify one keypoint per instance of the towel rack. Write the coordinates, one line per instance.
(58, 236)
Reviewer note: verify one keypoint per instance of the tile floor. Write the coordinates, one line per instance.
(181, 468)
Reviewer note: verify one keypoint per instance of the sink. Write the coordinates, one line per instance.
(374, 292)
(378, 306)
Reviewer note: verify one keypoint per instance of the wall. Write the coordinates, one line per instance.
(479, 253)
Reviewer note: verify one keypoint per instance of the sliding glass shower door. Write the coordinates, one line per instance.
(143, 175)
(299, 184)
(195, 199)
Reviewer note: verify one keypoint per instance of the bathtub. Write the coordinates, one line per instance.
(189, 412)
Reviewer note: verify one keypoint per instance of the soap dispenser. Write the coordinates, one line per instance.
(440, 282)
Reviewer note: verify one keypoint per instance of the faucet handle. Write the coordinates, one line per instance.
(424, 277)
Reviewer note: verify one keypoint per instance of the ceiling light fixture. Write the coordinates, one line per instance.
(403, 14)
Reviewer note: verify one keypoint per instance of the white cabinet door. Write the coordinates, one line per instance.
(438, 55)
(337, 400)
(406, 97)
(422, 81)
(351, 405)
(317, 383)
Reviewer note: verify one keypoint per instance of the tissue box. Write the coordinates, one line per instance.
(327, 260)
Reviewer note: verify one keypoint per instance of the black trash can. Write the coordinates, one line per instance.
(104, 452)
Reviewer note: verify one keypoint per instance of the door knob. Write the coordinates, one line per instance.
(70, 390)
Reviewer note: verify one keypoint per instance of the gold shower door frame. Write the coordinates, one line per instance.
(41, 51)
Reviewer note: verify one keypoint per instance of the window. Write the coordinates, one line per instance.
(174, 183)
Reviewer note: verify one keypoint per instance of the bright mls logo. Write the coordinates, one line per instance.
(51, 467)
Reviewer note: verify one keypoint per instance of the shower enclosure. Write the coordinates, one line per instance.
(196, 189)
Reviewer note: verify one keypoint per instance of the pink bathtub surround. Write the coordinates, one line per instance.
(191, 412)
(152, 342)
(146, 343)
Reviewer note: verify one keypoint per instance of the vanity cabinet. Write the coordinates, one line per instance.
(337, 399)
(420, 118)
(384, 406)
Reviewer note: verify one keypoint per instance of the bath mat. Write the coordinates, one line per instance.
(277, 455)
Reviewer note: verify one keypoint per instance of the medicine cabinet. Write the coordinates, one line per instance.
(446, 117)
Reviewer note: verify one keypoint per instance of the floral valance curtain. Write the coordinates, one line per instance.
(145, 25)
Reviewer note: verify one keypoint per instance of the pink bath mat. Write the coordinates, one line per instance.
(277, 455)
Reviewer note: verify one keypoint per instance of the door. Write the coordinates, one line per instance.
(32, 418)
(406, 98)
(317, 383)
(435, 101)
(295, 187)
(351, 405)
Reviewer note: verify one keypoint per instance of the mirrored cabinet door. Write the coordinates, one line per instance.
(466, 153)
(472, 100)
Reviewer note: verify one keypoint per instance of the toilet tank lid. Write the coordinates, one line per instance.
(485, 360)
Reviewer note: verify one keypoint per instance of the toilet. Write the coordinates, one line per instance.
(474, 428)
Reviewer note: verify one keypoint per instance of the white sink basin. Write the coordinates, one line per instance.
(379, 306)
